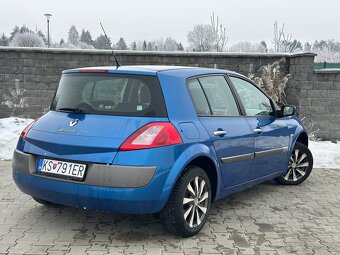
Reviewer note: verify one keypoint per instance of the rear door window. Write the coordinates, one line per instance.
(219, 95)
(198, 98)
(112, 94)
(212, 96)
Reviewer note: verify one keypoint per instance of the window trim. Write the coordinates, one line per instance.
(274, 106)
(231, 87)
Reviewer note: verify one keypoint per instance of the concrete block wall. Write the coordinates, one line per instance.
(37, 72)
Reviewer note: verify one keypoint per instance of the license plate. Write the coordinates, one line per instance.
(62, 168)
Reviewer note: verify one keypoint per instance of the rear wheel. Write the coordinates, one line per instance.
(189, 203)
(44, 202)
(300, 166)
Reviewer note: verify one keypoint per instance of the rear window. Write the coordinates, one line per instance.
(111, 94)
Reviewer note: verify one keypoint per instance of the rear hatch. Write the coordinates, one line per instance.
(92, 114)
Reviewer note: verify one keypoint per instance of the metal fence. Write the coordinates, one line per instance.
(322, 65)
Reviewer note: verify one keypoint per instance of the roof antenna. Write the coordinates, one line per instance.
(108, 42)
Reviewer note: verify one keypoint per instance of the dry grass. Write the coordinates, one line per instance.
(272, 81)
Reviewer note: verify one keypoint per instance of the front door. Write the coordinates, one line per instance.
(230, 132)
(271, 133)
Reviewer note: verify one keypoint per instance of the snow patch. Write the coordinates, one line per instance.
(10, 129)
(326, 154)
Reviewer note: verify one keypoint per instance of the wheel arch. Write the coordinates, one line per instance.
(200, 155)
(208, 165)
(302, 138)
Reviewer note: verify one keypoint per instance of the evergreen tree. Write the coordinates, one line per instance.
(25, 29)
(180, 47)
(13, 33)
(264, 45)
(41, 34)
(73, 35)
(101, 43)
(307, 47)
(144, 47)
(149, 46)
(4, 41)
(121, 44)
(86, 37)
(62, 43)
(295, 46)
(134, 46)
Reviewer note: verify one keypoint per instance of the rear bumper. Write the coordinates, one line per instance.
(121, 189)
(119, 200)
(117, 176)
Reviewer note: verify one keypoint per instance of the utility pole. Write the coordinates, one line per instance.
(48, 16)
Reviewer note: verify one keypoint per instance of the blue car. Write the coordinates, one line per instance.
(158, 140)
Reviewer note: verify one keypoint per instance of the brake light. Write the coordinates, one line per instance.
(152, 135)
(27, 129)
(92, 71)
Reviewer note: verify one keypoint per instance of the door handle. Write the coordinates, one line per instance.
(258, 130)
(220, 133)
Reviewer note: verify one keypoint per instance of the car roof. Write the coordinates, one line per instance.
(149, 70)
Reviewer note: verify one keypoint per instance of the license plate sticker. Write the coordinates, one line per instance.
(62, 168)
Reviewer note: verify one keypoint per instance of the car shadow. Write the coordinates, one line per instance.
(85, 224)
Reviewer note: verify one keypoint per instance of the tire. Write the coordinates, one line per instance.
(188, 206)
(300, 166)
(46, 203)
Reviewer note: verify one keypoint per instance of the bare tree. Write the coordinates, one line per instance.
(201, 38)
(247, 47)
(219, 32)
(272, 81)
(208, 37)
(283, 42)
(170, 44)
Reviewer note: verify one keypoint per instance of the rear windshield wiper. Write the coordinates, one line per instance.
(70, 109)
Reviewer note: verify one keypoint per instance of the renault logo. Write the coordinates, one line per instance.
(73, 123)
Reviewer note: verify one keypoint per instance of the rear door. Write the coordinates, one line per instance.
(229, 131)
(271, 133)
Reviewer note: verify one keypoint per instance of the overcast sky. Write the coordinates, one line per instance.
(245, 20)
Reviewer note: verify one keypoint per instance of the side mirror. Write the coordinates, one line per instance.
(288, 110)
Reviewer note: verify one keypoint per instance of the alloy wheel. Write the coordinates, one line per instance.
(195, 202)
(298, 166)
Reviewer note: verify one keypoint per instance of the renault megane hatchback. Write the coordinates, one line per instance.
(158, 139)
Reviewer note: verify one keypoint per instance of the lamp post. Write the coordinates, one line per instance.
(47, 15)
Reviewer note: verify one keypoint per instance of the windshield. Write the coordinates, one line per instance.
(112, 94)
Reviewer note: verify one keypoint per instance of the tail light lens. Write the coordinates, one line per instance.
(27, 129)
(152, 135)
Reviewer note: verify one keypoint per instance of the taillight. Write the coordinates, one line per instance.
(152, 135)
(27, 129)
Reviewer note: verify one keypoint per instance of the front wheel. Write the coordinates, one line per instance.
(300, 166)
(189, 203)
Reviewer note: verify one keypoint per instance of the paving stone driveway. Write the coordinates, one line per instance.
(267, 219)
